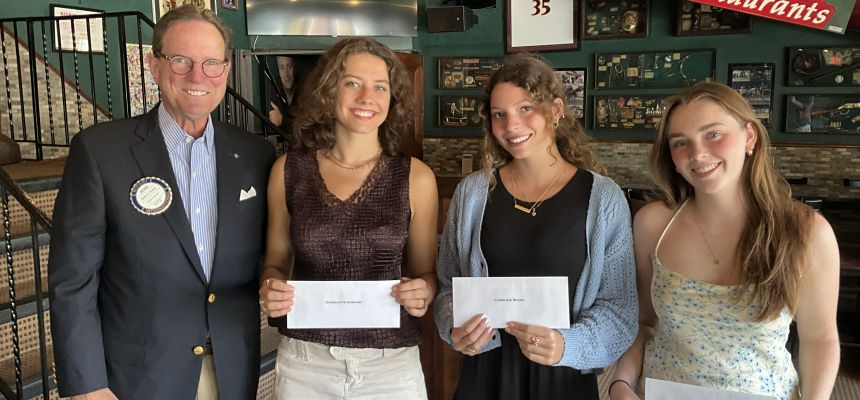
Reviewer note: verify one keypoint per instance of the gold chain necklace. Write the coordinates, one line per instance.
(705, 238)
(335, 161)
(533, 209)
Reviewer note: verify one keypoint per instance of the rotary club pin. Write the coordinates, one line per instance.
(151, 195)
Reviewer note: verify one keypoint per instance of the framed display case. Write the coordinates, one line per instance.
(824, 66)
(466, 72)
(522, 16)
(627, 112)
(143, 92)
(573, 81)
(704, 19)
(78, 35)
(163, 6)
(615, 19)
(822, 113)
(665, 69)
(755, 83)
(230, 4)
(458, 111)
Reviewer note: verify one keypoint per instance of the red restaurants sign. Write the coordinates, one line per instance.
(830, 15)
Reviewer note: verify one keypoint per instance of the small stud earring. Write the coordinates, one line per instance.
(749, 152)
(555, 124)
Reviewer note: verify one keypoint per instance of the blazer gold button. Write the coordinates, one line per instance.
(211, 297)
(198, 350)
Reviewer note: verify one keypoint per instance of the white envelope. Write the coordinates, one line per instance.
(666, 390)
(344, 304)
(532, 300)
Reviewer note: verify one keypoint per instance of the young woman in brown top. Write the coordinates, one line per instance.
(346, 205)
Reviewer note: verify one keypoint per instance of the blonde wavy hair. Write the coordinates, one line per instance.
(773, 247)
(541, 82)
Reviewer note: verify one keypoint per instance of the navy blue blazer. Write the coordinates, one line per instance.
(129, 302)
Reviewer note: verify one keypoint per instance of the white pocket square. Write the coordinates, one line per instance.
(247, 194)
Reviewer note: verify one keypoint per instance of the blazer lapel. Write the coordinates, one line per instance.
(153, 160)
(230, 165)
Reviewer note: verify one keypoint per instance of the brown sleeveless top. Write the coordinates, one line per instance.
(361, 238)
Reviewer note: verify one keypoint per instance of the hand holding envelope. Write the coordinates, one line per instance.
(277, 297)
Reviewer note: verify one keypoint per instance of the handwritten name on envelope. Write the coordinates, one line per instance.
(532, 300)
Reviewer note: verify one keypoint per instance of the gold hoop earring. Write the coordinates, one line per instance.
(555, 124)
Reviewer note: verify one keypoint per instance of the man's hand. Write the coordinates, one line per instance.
(275, 115)
(101, 394)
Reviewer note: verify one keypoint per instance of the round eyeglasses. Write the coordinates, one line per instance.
(182, 65)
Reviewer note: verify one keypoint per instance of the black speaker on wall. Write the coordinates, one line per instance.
(450, 19)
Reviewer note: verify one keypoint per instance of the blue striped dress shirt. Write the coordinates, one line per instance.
(193, 162)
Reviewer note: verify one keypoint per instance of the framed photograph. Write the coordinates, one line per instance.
(663, 69)
(755, 83)
(230, 4)
(627, 112)
(459, 112)
(522, 16)
(142, 91)
(163, 6)
(466, 72)
(824, 66)
(822, 113)
(573, 80)
(82, 35)
(615, 19)
(704, 19)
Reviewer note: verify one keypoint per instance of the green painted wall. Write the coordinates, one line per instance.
(768, 42)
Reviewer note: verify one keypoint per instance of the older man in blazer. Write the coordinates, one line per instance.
(159, 227)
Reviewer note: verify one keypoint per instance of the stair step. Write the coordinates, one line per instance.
(28, 338)
(25, 281)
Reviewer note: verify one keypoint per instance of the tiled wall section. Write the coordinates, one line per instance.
(824, 167)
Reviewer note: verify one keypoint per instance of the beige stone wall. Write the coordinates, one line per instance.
(824, 167)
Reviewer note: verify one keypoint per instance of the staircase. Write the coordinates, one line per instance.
(45, 98)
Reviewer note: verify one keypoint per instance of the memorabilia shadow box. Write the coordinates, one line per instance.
(627, 112)
(664, 69)
(466, 72)
(704, 19)
(614, 19)
(573, 81)
(824, 66)
(755, 83)
(822, 113)
(458, 111)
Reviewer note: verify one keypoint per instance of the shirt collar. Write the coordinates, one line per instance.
(174, 135)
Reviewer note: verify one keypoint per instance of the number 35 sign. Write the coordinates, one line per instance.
(541, 25)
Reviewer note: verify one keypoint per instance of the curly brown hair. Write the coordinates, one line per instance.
(527, 71)
(773, 246)
(315, 117)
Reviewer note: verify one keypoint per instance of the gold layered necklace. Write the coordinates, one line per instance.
(327, 154)
(533, 209)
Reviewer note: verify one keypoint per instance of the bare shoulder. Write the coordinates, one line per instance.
(822, 239)
(653, 217)
(278, 166)
(420, 175)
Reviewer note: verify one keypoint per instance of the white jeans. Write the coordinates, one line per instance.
(307, 370)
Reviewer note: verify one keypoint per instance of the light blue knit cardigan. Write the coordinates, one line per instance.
(605, 308)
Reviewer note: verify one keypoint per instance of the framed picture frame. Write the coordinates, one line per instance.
(143, 92)
(703, 19)
(466, 72)
(615, 19)
(662, 69)
(82, 35)
(522, 16)
(458, 111)
(755, 83)
(163, 6)
(824, 66)
(620, 112)
(822, 113)
(230, 4)
(573, 80)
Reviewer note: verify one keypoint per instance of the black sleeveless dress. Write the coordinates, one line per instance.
(552, 243)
